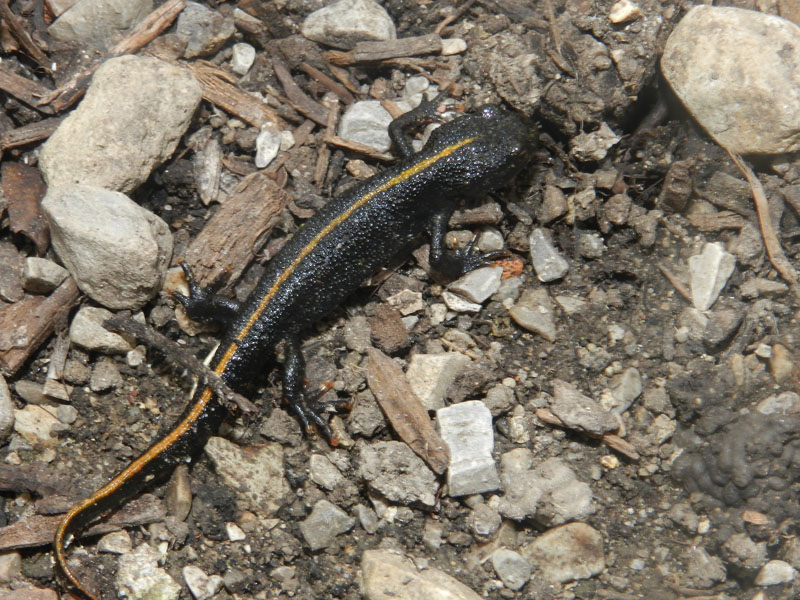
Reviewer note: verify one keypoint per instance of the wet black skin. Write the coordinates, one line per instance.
(351, 245)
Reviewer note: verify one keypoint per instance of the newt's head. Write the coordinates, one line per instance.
(489, 148)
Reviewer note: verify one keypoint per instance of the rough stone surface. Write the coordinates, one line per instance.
(534, 311)
(345, 23)
(572, 551)
(139, 576)
(36, 424)
(467, 430)
(325, 522)
(511, 567)
(6, 410)
(134, 113)
(99, 23)
(394, 471)
(478, 285)
(86, 331)
(390, 576)
(206, 31)
(42, 276)
(201, 585)
(709, 55)
(550, 493)
(256, 473)
(431, 374)
(709, 272)
(547, 262)
(117, 251)
(578, 411)
(367, 122)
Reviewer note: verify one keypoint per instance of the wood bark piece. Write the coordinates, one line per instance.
(23, 89)
(238, 229)
(38, 530)
(371, 52)
(337, 88)
(297, 97)
(368, 151)
(611, 440)
(22, 36)
(26, 324)
(219, 89)
(405, 412)
(28, 134)
(24, 188)
(36, 478)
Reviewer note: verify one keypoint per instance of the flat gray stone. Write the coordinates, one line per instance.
(713, 51)
(325, 522)
(429, 376)
(547, 262)
(206, 31)
(534, 312)
(345, 23)
(86, 331)
(135, 112)
(202, 586)
(139, 576)
(511, 567)
(99, 23)
(117, 251)
(396, 473)
(42, 276)
(566, 553)
(388, 575)
(467, 430)
(478, 285)
(6, 410)
(709, 272)
(578, 411)
(256, 474)
(367, 122)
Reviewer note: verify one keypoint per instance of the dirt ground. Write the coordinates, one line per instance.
(669, 520)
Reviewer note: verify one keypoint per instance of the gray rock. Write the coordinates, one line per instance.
(457, 303)
(709, 273)
(345, 23)
(201, 586)
(367, 122)
(42, 276)
(704, 570)
(395, 472)
(578, 411)
(550, 492)
(625, 388)
(591, 245)
(325, 522)
(116, 542)
(139, 576)
(712, 51)
(407, 302)
(242, 58)
(511, 567)
(11, 268)
(761, 286)
(566, 553)
(553, 206)
(117, 251)
(86, 331)
(10, 566)
(787, 403)
(256, 474)
(367, 518)
(105, 376)
(484, 521)
(99, 23)
(534, 312)
(131, 120)
(547, 262)
(490, 240)
(499, 399)
(357, 334)
(775, 572)
(389, 575)
(324, 473)
(6, 410)
(366, 418)
(67, 414)
(205, 31)
(429, 376)
(478, 285)
(467, 430)
(740, 550)
(593, 146)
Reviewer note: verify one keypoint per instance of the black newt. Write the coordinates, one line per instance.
(346, 242)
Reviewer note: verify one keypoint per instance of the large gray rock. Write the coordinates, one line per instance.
(99, 23)
(738, 73)
(134, 113)
(117, 251)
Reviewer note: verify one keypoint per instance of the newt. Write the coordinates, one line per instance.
(343, 244)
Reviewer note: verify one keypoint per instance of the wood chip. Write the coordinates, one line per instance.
(371, 52)
(38, 530)
(149, 28)
(337, 88)
(219, 89)
(26, 324)
(24, 188)
(405, 412)
(369, 151)
(611, 440)
(23, 89)
(28, 134)
(36, 478)
(15, 25)
(299, 100)
(723, 220)
(238, 229)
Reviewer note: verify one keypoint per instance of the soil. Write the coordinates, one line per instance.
(727, 469)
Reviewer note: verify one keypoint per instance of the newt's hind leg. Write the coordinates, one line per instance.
(205, 304)
(306, 405)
